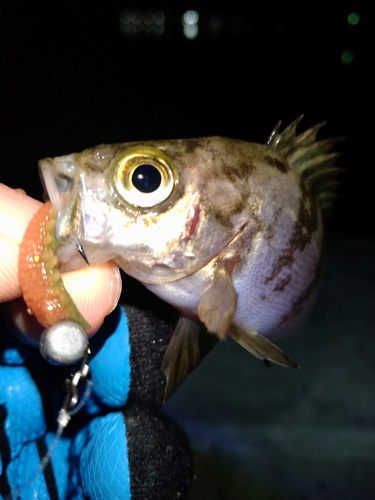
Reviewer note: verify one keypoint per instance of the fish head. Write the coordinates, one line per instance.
(160, 209)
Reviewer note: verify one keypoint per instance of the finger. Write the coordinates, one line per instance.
(16, 211)
(94, 289)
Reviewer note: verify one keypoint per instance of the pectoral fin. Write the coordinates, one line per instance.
(260, 347)
(190, 342)
(218, 303)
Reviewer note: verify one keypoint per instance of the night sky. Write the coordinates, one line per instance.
(79, 73)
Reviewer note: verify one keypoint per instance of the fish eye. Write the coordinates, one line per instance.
(146, 178)
(143, 177)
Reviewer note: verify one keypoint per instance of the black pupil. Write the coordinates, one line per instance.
(146, 178)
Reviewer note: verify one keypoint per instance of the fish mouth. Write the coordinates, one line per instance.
(61, 181)
(55, 186)
(156, 274)
(48, 182)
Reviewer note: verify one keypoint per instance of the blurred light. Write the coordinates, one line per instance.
(191, 31)
(159, 17)
(347, 57)
(148, 18)
(190, 17)
(215, 25)
(190, 23)
(159, 22)
(353, 18)
(134, 22)
(136, 17)
(125, 17)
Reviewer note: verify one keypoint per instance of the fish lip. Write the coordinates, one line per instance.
(51, 172)
(154, 275)
(46, 175)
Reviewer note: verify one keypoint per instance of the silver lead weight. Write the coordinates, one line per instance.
(64, 343)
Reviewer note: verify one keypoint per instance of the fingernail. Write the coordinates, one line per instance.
(116, 288)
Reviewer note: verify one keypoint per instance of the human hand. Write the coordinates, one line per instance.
(121, 445)
(94, 289)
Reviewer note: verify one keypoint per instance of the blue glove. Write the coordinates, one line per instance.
(119, 446)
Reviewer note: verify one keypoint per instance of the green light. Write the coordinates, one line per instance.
(353, 18)
(347, 57)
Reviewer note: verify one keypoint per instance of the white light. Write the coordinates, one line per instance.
(191, 31)
(190, 23)
(190, 17)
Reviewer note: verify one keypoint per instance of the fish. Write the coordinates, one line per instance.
(228, 232)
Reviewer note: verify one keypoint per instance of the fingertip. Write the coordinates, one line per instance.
(16, 210)
(10, 288)
(95, 290)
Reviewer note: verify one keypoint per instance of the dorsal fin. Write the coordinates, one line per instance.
(311, 159)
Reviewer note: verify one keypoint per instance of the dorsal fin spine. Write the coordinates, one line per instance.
(313, 160)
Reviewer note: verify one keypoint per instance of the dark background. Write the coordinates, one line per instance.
(73, 75)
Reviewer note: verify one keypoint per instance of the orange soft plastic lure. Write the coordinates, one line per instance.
(40, 279)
